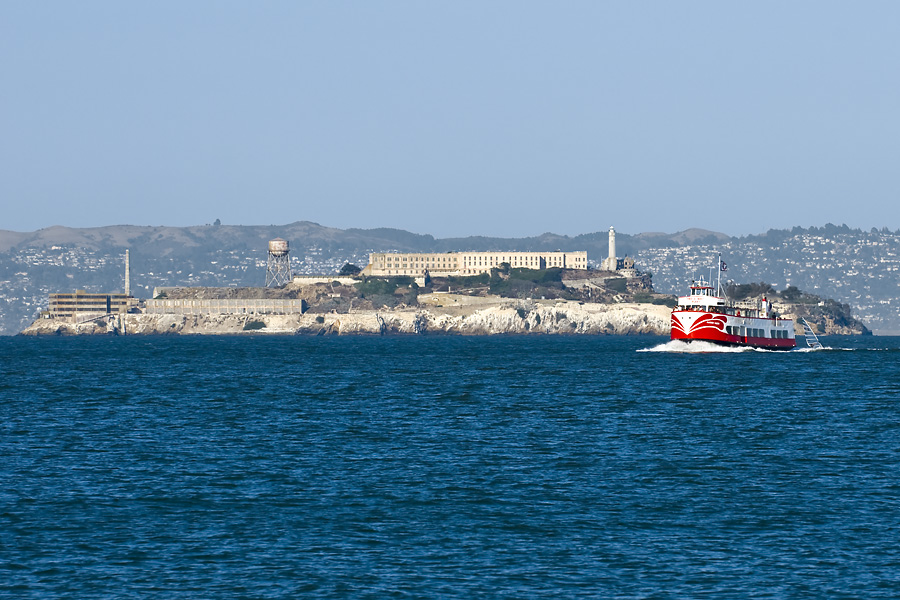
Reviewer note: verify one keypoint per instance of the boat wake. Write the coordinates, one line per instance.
(701, 347)
(695, 347)
(820, 348)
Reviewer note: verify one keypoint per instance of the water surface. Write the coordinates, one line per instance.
(446, 467)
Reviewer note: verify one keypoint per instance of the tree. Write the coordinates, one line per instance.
(791, 294)
(748, 290)
(349, 270)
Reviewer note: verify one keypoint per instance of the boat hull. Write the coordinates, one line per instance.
(729, 330)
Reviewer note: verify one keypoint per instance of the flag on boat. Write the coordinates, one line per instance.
(724, 266)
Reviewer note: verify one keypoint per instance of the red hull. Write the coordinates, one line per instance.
(711, 328)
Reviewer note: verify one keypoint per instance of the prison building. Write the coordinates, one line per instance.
(82, 306)
(468, 263)
(226, 306)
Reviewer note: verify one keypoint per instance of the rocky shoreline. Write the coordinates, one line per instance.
(435, 313)
(499, 316)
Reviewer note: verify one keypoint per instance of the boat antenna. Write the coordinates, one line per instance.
(719, 276)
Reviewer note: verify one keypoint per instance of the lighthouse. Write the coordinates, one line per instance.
(611, 263)
(612, 248)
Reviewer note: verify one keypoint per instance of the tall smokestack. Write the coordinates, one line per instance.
(127, 274)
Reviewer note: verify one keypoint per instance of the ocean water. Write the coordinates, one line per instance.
(447, 467)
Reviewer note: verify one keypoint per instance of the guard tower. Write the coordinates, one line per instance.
(278, 267)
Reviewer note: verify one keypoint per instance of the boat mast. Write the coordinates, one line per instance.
(719, 277)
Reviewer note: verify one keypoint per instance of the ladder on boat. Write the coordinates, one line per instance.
(811, 340)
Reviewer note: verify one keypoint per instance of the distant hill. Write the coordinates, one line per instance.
(686, 237)
(161, 240)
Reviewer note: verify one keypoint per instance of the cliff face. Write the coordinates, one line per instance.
(484, 318)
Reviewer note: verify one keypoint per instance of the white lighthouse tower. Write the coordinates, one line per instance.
(611, 263)
(612, 248)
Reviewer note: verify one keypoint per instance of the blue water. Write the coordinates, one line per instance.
(447, 467)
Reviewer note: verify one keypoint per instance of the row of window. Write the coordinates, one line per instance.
(754, 332)
(471, 263)
(452, 256)
(397, 265)
(482, 258)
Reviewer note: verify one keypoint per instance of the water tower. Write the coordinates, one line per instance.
(278, 267)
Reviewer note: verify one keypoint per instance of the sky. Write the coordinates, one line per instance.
(460, 118)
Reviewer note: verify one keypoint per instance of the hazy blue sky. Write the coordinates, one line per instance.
(451, 118)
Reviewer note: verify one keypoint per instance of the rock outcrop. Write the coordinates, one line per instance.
(482, 316)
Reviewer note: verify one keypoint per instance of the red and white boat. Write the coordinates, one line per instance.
(706, 315)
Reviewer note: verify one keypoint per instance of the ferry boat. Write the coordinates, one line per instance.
(708, 316)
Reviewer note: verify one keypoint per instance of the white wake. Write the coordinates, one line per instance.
(695, 347)
(701, 347)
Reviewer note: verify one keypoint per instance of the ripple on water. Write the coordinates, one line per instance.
(448, 467)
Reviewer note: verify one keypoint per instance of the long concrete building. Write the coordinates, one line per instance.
(226, 306)
(468, 263)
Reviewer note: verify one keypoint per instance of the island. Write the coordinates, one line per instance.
(505, 300)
